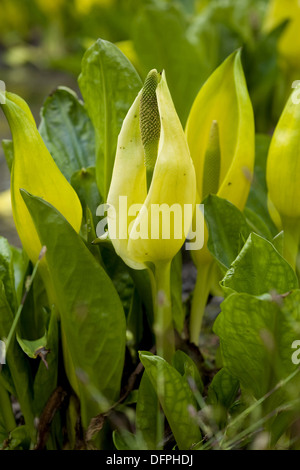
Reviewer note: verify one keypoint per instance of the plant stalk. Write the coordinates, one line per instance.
(200, 296)
(163, 321)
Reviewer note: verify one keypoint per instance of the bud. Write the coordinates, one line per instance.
(283, 173)
(34, 170)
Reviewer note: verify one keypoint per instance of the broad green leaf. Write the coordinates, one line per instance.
(109, 84)
(187, 368)
(228, 230)
(161, 39)
(68, 132)
(256, 336)
(175, 397)
(34, 170)
(148, 417)
(259, 269)
(92, 317)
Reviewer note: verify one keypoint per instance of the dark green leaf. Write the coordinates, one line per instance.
(148, 417)
(45, 381)
(162, 41)
(223, 389)
(109, 84)
(175, 397)
(228, 230)
(92, 317)
(84, 183)
(188, 369)
(68, 132)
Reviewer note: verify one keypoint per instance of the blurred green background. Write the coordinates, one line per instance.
(42, 44)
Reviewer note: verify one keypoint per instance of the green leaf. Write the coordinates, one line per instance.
(68, 132)
(7, 272)
(257, 224)
(228, 230)
(221, 394)
(259, 269)
(125, 440)
(19, 438)
(45, 381)
(148, 417)
(7, 419)
(187, 368)
(223, 389)
(20, 262)
(8, 149)
(32, 347)
(84, 183)
(161, 40)
(175, 397)
(109, 84)
(17, 363)
(256, 335)
(92, 317)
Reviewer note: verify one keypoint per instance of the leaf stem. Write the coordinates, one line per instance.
(163, 321)
(291, 228)
(199, 301)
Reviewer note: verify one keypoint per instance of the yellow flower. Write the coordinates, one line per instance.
(221, 138)
(151, 141)
(34, 169)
